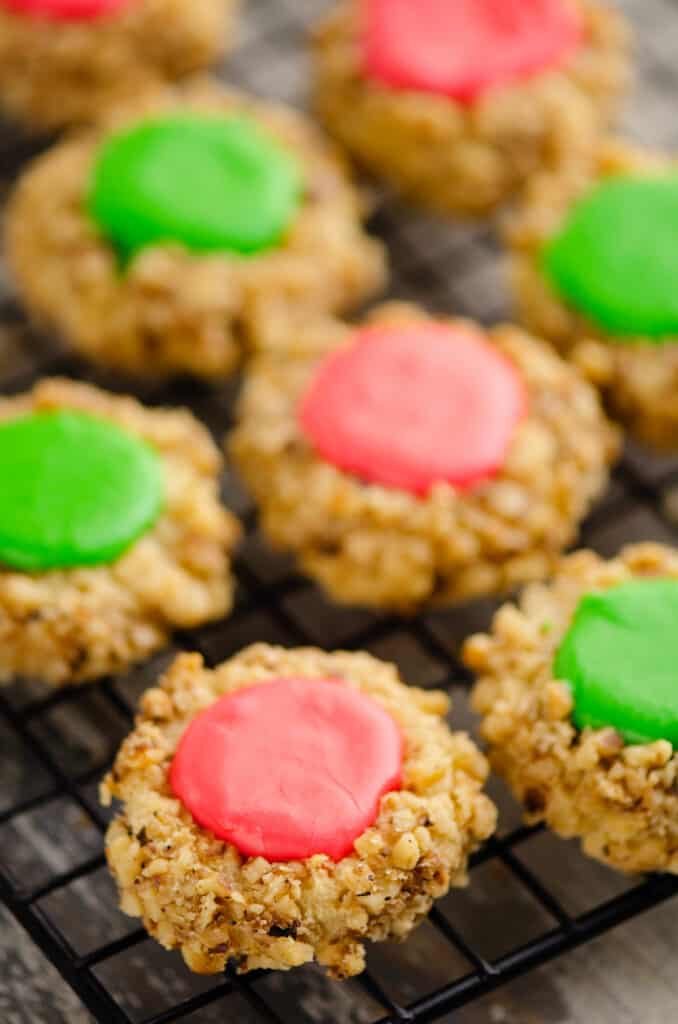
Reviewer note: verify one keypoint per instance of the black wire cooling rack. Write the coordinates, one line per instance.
(532, 897)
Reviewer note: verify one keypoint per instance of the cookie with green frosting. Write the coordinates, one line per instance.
(577, 686)
(615, 258)
(112, 532)
(77, 491)
(594, 267)
(620, 656)
(212, 184)
(185, 238)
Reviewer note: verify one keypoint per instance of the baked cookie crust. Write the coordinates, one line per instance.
(372, 545)
(620, 800)
(171, 310)
(637, 377)
(59, 73)
(197, 893)
(73, 625)
(460, 159)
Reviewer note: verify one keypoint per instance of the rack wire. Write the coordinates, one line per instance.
(526, 903)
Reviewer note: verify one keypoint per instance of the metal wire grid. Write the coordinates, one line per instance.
(55, 746)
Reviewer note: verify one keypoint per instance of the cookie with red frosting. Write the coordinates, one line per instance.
(416, 460)
(289, 806)
(593, 267)
(456, 104)
(65, 62)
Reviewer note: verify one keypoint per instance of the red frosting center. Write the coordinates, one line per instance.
(408, 407)
(289, 768)
(462, 48)
(65, 10)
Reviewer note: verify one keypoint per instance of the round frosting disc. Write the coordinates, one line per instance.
(620, 656)
(409, 407)
(616, 257)
(65, 10)
(209, 183)
(289, 768)
(76, 491)
(463, 48)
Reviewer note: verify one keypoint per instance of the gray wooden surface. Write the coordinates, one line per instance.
(625, 977)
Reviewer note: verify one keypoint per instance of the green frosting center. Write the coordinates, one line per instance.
(620, 656)
(209, 183)
(616, 258)
(76, 491)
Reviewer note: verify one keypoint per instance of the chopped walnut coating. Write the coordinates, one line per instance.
(622, 801)
(59, 73)
(384, 547)
(71, 625)
(198, 894)
(171, 310)
(637, 377)
(459, 158)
